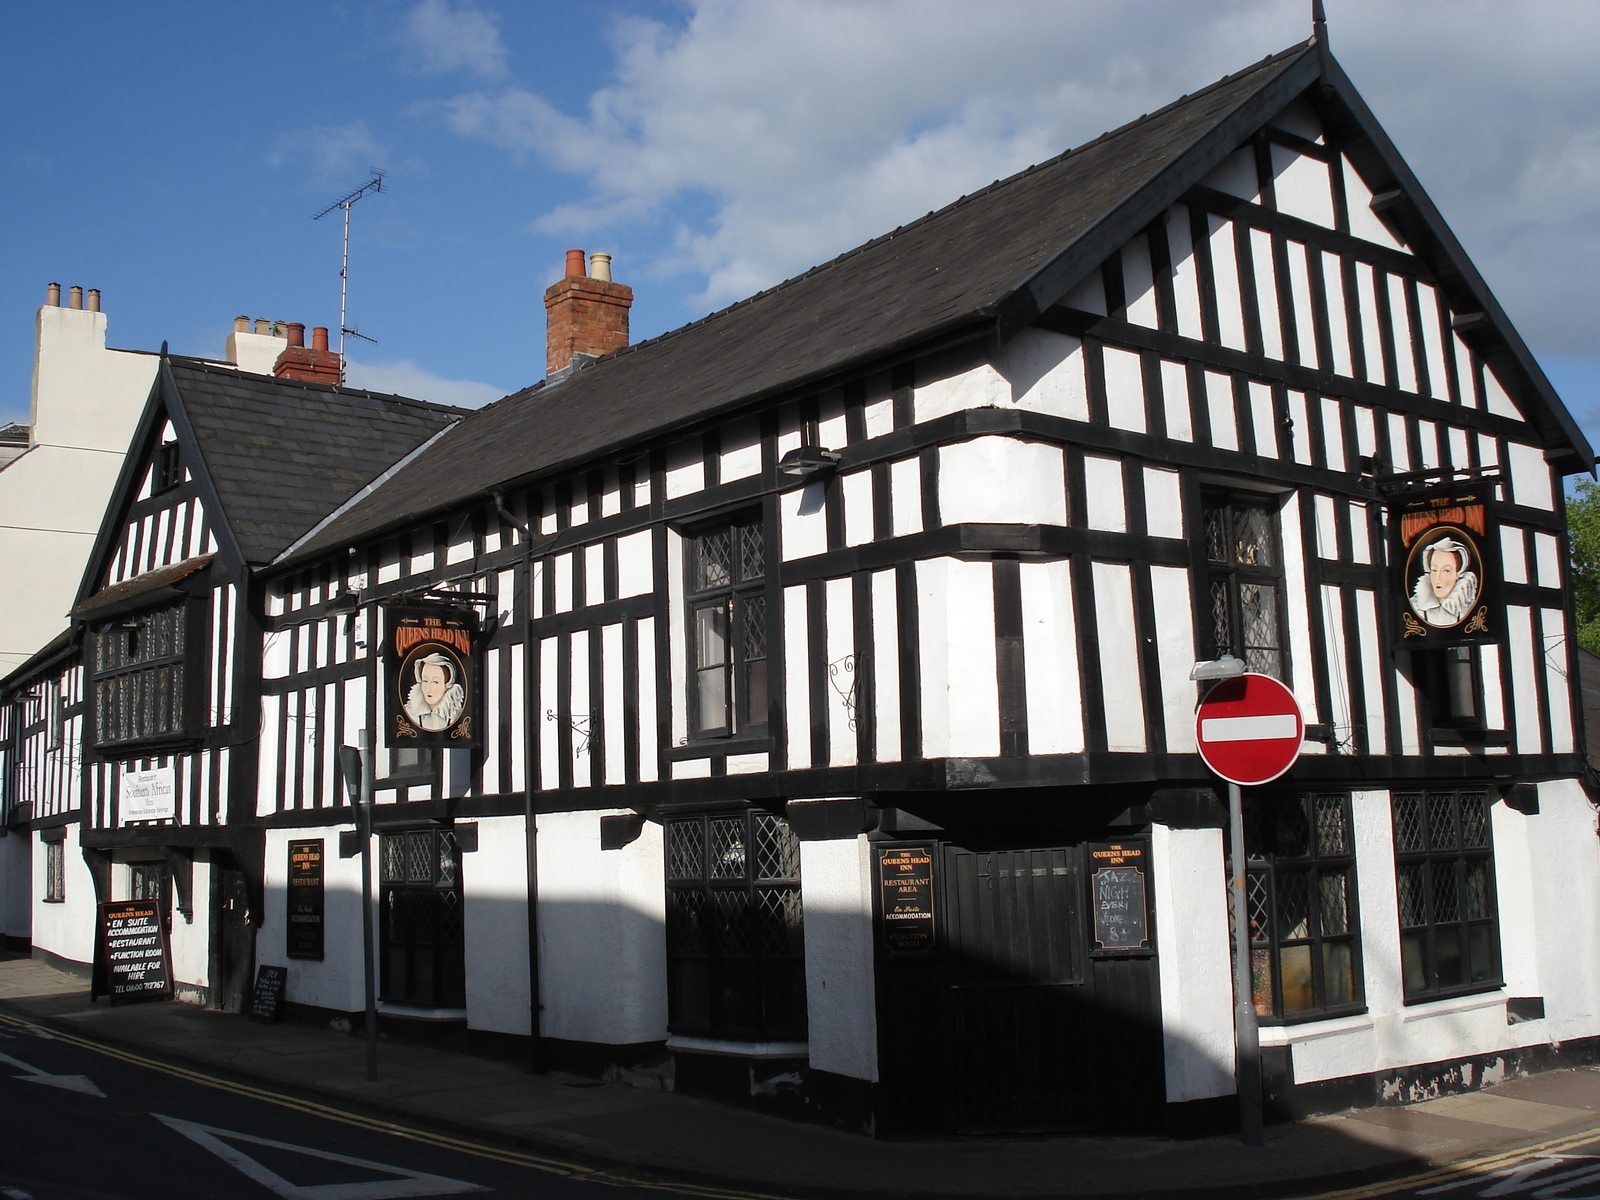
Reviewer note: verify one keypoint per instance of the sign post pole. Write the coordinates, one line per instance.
(368, 965)
(1249, 730)
(1246, 1032)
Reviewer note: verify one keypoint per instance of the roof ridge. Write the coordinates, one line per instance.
(933, 214)
(218, 367)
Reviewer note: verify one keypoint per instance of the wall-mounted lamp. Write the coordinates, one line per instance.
(803, 462)
(1224, 666)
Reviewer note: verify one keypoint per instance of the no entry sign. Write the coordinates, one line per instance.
(1249, 729)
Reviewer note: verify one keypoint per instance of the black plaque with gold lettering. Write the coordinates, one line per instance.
(905, 890)
(1117, 894)
(304, 931)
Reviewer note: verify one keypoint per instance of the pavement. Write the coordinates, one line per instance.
(694, 1144)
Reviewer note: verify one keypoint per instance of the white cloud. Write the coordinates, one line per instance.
(329, 152)
(439, 37)
(755, 139)
(405, 377)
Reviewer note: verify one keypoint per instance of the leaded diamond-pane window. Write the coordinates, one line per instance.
(1305, 956)
(1444, 873)
(1246, 581)
(734, 929)
(728, 629)
(422, 959)
(140, 682)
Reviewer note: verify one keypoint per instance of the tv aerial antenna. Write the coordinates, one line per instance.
(344, 203)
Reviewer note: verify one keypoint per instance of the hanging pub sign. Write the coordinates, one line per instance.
(430, 653)
(1445, 566)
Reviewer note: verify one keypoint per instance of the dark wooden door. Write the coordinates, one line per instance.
(233, 940)
(1016, 1021)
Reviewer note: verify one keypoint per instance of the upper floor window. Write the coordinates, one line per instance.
(168, 468)
(1447, 680)
(1244, 574)
(139, 684)
(727, 606)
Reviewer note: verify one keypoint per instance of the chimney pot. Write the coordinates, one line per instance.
(279, 329)
(297, 334)
(76, 295)
(575, 264)
(94, 299)
(319, 338)
(241, 324)
(600, 267)
(588, 322)
(262, 325)
(52, 295)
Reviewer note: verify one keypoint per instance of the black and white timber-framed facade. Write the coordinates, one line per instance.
(875, 598)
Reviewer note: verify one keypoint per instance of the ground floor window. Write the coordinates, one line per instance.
(55, 872)
(422, 930)
(1305, 954)
(152, 881)
(1444, 872)
(734, 935)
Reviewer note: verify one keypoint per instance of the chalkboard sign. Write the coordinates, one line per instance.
(132, 952)
(266, 1002)
(304, 929)
(1121, 915)
(905, 886)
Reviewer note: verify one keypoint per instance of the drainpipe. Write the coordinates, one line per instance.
(529, 825)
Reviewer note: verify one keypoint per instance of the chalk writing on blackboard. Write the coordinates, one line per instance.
(905, 884)
(1121, 918)
(266, 1001)
(133, 952)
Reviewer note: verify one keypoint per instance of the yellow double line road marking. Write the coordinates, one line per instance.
(518, 1158)
(1460, 1170)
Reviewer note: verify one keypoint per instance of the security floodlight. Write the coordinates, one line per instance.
(805, 461)
(1224, 666)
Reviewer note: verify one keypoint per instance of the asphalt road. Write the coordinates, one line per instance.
(80, 1124)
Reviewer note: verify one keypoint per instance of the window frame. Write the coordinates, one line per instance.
(55, 873)
(738, 597)
(1266, 870)
(1429, 857)
(1430, 676)
(190, 660)
(441, 991)
(1232, 574)
(166, 470)
(703, 956)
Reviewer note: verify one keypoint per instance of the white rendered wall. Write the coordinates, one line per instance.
(602, 933)
(494, 879)
(86, 401)
(65, 929)
(191, 939)
(255, 352)
(836, 897)
(1191, 896)
(336, 982)
(1002, 480)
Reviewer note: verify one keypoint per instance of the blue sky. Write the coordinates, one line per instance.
(172, 154)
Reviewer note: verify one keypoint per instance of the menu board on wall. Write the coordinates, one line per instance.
(131, 953)
(905, 888)
(304, 930)
(1117, 894)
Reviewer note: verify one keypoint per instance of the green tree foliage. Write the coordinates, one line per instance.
(1583, 520)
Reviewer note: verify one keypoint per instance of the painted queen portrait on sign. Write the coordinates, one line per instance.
(1447, 572)
(435, 698)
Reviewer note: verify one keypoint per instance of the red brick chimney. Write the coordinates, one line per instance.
(585, 313)
(316, 365)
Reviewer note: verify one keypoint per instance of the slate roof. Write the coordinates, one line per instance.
(1000, 255)
(283, 454)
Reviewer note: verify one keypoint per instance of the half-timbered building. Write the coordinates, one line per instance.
(824, 725)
